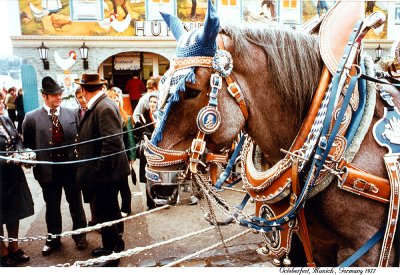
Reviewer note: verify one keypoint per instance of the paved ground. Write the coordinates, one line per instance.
(148, 230)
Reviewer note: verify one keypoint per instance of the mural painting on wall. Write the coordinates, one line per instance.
(80, 17)
(261, 11)
(373, 6)
(66, 81)
(312, 8)
(191, 10)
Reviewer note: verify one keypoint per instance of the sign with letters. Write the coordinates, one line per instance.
(393, 20)
(127, 61)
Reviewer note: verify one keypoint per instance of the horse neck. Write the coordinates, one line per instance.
(271, 127)
(276, 115)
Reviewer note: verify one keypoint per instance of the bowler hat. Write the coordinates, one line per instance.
(49, 86)
(90, 79)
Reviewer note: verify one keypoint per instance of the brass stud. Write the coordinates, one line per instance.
(287, 262)
(276, 262)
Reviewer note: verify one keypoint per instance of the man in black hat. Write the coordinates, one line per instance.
(48, 127)
(100, 179)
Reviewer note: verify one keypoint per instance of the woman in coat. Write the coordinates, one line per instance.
(15, 197)
(129, 142)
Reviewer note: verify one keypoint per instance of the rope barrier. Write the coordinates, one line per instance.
(234, 189)
(133, 251)
(80, 143)
(66, 162)
(84, 229)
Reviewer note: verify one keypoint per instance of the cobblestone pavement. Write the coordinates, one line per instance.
(151, 229)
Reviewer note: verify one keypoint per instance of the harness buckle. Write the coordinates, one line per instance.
(235, 91)
(323, 143)
(365, 186)
(198, 146)
(216, 81)
(193, 160)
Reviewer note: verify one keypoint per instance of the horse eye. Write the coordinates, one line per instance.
(190, 93)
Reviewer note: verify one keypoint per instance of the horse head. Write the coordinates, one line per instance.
(193, 97)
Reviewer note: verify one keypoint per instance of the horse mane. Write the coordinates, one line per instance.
(293, 58)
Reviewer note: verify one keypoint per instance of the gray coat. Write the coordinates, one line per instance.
(37, 132)
(102, 119)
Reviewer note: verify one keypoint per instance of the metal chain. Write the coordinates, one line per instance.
(191, 256)
(214, 220)
(81, 230)
(210, 191)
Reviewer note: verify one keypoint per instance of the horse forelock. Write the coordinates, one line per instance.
(293, 60)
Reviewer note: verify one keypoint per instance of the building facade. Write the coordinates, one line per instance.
(127, 35)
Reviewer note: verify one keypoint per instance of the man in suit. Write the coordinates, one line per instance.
(47, 127)
(100, 179)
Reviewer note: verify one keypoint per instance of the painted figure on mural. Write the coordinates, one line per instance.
(268, 9)
(322, 5)
(121, 3)
(193, 10)
(370, 7)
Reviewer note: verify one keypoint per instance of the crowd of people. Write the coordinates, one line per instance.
(99, 130)
(14, 102)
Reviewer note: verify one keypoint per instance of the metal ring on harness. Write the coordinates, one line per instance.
(359, 71)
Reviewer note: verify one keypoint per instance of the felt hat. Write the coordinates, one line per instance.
(49, 86)
(90, 80)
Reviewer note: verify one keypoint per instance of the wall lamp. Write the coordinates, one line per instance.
(84, 55)
(378, 53)
(43, 54)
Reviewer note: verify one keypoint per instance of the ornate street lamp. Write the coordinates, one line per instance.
(43, 54)
(378, 53)
(84, 55)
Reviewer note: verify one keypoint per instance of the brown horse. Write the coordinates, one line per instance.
(278, 71)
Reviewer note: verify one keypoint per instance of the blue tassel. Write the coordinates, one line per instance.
(181, 85)
(191, 76)
(174, 97)
(157, 134)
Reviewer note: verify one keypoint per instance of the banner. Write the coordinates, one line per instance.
(127, 61)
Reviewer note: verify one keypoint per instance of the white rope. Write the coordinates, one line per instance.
(82, 230)
(133, 251)
(234, 189)
(207, 249)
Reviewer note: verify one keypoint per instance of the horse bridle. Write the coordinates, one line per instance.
(208, 118)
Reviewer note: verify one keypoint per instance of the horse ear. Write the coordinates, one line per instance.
(211, 24)
(175, 24)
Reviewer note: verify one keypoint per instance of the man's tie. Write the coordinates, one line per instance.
(54, 118)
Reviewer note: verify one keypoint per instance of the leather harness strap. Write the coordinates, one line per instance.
(303, 230)
(359, 182)
(233, 86)
(392, 166)
(159, 157)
